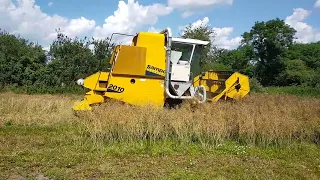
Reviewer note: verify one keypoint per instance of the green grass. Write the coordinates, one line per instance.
(60, 151)
(294, 90)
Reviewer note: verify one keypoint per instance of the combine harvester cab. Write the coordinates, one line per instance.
(157, 69)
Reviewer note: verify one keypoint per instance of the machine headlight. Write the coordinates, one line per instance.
(80, 82)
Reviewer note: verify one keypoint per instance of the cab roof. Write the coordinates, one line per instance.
(190, 41)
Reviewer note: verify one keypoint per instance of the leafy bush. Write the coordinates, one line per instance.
(295, 90)
(255, 85)
(26, 68)
(42, 89)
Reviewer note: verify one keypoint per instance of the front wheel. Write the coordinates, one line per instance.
(173, 103)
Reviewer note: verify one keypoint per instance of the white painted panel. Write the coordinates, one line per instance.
(190, 41)
(175, 56)
(180, 72)
(183, 87)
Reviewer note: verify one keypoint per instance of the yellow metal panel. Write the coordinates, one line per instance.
(92, 82)
(131, 60)
(233, 81)
(219, 84)
(212, 83)
(136, 90)
(156, 53)
(90, 98)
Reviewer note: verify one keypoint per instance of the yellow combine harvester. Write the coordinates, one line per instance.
(160, 70)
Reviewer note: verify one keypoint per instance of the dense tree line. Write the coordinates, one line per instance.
(267, 53)
(25, 65)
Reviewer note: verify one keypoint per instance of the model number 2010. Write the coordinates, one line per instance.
(115, 88)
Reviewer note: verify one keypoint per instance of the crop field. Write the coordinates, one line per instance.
(261, 136)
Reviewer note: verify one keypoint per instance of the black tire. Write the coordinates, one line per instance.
(173, 103)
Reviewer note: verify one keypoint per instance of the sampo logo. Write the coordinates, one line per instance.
(161, 71)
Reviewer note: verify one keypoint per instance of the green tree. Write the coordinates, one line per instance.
(302, 65)
(204, 56)
(24, 64)
(269, 40)
(73, 59)
(238, 60)
(296, 73)
(102, 52)
(202, 32)
(20, 60)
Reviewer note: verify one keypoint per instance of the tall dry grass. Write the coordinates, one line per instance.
(257, 119)
(35, 109)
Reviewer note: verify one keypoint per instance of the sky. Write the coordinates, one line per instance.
(37, 20)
